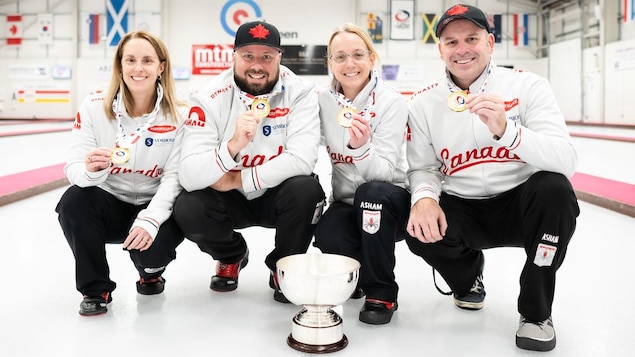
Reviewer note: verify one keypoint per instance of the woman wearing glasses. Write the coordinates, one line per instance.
(363, 123)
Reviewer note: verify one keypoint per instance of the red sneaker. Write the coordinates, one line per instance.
(226, 278)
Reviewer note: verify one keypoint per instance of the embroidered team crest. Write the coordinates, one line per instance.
(370, 221)
(544, 255)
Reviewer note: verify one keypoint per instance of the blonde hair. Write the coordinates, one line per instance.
(170, 101)
(357, 30)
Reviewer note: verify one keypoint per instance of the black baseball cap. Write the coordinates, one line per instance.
(257, 33)
(461, 11)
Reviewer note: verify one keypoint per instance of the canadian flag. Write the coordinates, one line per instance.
(14, 30)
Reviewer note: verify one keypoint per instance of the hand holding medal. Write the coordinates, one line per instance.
(98, 159)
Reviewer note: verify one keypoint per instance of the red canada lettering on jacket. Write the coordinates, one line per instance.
(339, 158)
(257, 159)
(455, 163)
(154, 172)
(199, 120)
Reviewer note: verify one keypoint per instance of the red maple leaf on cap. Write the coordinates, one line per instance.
(457, 10)
(259, 31)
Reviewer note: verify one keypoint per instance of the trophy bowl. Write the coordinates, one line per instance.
(317, 282)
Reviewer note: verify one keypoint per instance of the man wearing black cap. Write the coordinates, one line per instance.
(251, 143)
(488, 159)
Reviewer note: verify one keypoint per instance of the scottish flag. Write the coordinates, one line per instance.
(117, 21)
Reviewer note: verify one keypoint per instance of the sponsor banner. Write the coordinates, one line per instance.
(211, 59)
(305, 59)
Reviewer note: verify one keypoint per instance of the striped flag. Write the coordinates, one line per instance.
(93, 29)
(117, 21)
(14, 30)
(520, 30)
(628, 10)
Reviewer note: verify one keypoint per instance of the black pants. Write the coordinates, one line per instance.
(539, 216)
(367, 231)
(209, 217)
(91, 217)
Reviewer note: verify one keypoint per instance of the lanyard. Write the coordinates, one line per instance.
(370, 102)
(124, 140)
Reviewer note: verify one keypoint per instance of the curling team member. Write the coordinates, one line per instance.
(488, 165)
(250, 146)
(122, 168)
(364, 129)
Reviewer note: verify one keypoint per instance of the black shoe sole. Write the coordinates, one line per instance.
(375, 316)
(97, 309)
(151, 288)
(534, 345)
(222, 284)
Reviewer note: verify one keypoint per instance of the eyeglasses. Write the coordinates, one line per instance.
(357, 56)
(248, 57)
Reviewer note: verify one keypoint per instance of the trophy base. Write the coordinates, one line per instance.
(317, 349)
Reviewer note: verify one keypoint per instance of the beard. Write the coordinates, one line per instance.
(255, 89)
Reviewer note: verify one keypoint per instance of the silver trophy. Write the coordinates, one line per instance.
(317, 282)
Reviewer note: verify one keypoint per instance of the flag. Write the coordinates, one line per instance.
(117, 21)
(628, 10)
(520, 30)
(375, 27)
(495, 24)
(93, 29)
(429, 25)
(14, 30)
(45, 22)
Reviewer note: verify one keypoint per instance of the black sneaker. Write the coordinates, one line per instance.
(377, 312)
(95, 305)
(277, 293)
(226, 278)
(474, 299)
(150, 286)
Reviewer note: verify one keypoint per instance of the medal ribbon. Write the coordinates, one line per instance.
(454, 88)
(247, 99)
(124, 141)
(370, 103)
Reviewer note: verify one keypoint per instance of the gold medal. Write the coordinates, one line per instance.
(345, 117)
(261, 108)
(456, 101)
(120, 156)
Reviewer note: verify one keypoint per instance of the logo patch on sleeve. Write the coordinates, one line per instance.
(544, 255)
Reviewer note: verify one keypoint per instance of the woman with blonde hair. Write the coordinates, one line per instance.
(363, 123)
(122, 168)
